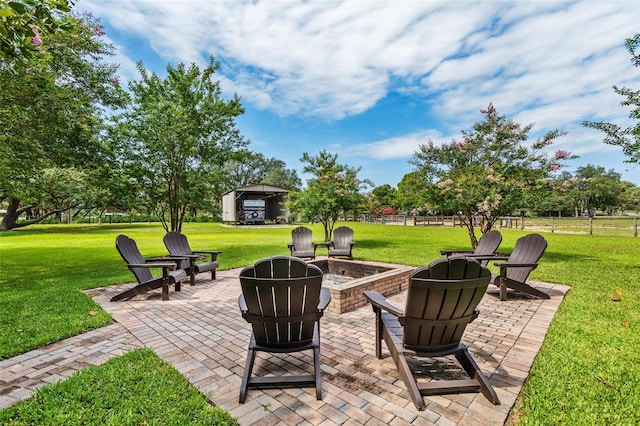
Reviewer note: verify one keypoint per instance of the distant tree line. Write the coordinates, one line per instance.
(74, 142)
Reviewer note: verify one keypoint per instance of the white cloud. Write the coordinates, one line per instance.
(552, 63)
(395, 147)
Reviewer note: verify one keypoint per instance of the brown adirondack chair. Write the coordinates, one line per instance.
(302, 244)
(178, 245)
(342, 244)
(487, 246)
(519, 264)
(171, 273)
(283, 301)
(441, 301)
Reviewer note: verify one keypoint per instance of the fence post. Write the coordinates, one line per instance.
(553, 225)
(635, 227)
(590, 225)
(522, 220)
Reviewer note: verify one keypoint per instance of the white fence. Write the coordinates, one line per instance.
(598, 225)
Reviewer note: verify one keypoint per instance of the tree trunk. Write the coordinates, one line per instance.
(9, 220)
(468, 220)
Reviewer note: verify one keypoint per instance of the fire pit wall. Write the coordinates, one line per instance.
(385, 278)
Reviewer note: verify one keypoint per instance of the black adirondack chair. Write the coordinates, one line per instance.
(487, 246)
(519, 264)
(302, 244)
(178, 245)
(140, 266)
(441, 301)
(283, 301)
(342, 244)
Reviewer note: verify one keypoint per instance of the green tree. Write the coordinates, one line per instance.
(411, 193)
(630, 197)
(61, 190)
(253, 167)
(628, 138)
(489, 172)
(384, 196)
(556, 196)
(333, 190)
(598, 189)
(279, 175)
(176, 138)
(24, 24)
(51, 112)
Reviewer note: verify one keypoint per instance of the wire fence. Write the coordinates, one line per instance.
(598, 225)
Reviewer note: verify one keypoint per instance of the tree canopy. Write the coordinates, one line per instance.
(253, 167)
(489, 172)
(333, 190)
(627, 138)
(23, 26)
(175, 139)
(51, 112)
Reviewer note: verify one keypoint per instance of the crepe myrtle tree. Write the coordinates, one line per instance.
(24, 24)
(489, 172)
(333, 190)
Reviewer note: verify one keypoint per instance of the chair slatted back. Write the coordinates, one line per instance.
(302, 239)
(178, 245)
(528, 249)
(488, 243)
(129, 251)
(282, 296)
(342, 238)
(441, 301)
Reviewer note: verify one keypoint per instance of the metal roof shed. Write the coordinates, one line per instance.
(254, 204)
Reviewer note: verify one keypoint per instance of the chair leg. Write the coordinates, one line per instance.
(192, 277)
(165, 289)
(379, 326)
(213, 274)
(139, 289)
(248, 368)
(524, 288)
(464, 358)
(503, 288)
(316, 367)
(405, 371)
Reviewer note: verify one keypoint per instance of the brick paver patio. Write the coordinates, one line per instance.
(200, 332)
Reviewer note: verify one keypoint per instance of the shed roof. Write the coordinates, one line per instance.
(260, 187)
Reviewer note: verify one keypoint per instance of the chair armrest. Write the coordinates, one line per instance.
(379, 302)
(171, 258)
(185, 256)
(479, 257)
(454, 251)
(242, 304)
(167, 265)
(213, 253)
(504, 266)
(325, 298)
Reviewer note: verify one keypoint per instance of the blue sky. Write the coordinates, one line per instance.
(372, 80)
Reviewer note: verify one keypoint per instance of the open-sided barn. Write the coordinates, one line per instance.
(255, 204)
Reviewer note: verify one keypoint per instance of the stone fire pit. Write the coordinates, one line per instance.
(347, 279)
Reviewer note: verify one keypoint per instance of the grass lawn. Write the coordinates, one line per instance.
(588, 371)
